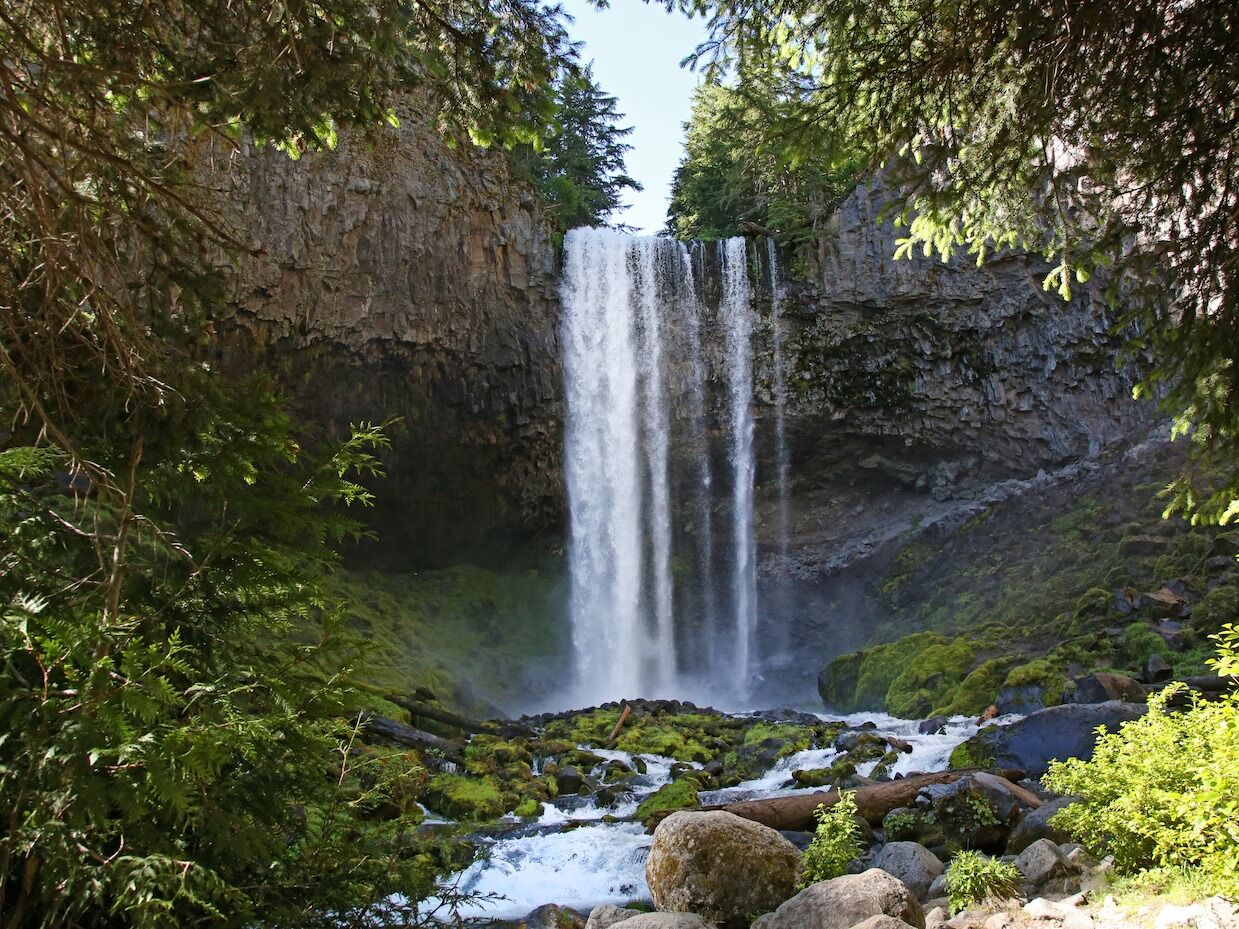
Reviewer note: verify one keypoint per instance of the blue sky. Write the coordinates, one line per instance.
(636, 48)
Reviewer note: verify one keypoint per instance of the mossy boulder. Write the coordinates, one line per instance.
(834, 776)
(471, 798)
(674, 796)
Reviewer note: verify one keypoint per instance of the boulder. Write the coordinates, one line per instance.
(607, 915)
(845, 901)
(1105, 686)
(1165, 602)
(972, 812)
(720, 866)
(1157, 670)
(1041, 862)
(569, 780)
(1030, 744)
(1026, 698)
(666, 921)
(913, 864)
(1036, 825)
(881, 921)
(932, 726)
(547, 916)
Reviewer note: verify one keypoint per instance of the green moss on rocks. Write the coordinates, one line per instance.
(976, 691)
(1218, 607)
(1043, 673)
(674, 796)
(469, 798)
(930, 679)
(970, 755)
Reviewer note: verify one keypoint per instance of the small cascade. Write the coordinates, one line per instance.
(647, 404)
(736, 314)
(782, 459)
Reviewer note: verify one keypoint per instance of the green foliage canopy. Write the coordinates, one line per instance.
(1103, 136)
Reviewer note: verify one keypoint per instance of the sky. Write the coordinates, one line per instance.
(636, 48)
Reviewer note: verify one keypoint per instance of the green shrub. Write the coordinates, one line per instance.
(1139, 642)
(973, 878)
(1163, 792)
(836, 842)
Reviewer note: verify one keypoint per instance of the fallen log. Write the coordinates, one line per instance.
(383, 728)
(439, 715)
(618, 726)
(798, 813)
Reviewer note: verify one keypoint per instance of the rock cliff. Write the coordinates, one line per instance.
(397, 276)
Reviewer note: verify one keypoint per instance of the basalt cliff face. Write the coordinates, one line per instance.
(399, 277)
(914, 385)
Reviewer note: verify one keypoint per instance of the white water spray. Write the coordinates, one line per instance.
(782, 460)
(738, 326)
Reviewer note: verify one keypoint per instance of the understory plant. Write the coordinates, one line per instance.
(835, 843)
(1162, 793)
(975, 878)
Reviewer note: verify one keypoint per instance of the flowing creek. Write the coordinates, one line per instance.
(580, 855)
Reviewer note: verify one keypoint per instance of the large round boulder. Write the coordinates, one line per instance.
(607, 915)
(666, 921)
(846, 901)
(1067, 731)
(913, 864)
(719, 866)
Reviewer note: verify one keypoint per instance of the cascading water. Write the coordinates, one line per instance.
(736, 315)
(604, 464)
(782, 460)
(633, 335)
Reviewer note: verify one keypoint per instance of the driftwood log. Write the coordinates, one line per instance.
(439, 715)
(383, 728)
(798, 813)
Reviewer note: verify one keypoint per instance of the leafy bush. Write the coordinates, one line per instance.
(973, 878)
(175, 750)
(835, 843)
(1163, 792)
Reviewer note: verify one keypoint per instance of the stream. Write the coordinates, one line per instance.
(577, 856)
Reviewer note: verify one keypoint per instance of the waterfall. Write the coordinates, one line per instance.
(655, 439)
(737, 319)
(699, 445)
(782, 462)
(636, 381)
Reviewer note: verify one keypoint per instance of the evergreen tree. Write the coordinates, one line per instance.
(579, 166)
(736, 173)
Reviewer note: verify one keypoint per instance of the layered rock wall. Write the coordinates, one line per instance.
(397, 276)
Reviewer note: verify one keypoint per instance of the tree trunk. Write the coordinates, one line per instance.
(384, 728)
(799, 813)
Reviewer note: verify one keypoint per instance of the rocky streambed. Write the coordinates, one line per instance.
(586, 843)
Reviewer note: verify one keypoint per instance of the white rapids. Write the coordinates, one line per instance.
(593, 861)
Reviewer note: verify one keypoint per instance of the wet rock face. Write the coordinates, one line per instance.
(399, 277)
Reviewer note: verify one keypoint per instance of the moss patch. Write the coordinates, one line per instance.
(471, 798)
(674, 796)
(456, 630)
